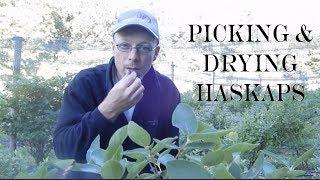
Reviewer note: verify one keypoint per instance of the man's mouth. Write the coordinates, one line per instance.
(133, 69)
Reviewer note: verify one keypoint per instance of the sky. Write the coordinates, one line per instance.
(177, 13)
(174, 16)
(215, 12)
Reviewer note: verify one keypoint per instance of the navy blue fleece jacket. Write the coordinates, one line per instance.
(80, 121)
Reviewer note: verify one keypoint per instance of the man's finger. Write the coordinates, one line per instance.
(129, 79)
(137, 95)
(138, 98)
(134, 86)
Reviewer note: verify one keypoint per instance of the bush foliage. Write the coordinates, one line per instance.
(219, 155)
(13, 163)
(286, 127)
(29, 108)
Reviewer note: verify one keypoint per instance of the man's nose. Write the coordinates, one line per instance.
(133, 54)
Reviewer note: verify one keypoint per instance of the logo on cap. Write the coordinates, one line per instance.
(144, 17)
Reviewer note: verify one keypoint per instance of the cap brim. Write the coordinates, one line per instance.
(122, 25)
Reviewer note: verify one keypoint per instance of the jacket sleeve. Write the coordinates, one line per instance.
(79, 122)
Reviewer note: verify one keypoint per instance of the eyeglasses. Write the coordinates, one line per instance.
(142, 48)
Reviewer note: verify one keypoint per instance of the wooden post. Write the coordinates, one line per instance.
(172, 71)
(213, 95)
(17, 46)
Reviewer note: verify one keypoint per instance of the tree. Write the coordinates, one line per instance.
(29, 109)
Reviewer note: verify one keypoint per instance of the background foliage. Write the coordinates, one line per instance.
(207, 153)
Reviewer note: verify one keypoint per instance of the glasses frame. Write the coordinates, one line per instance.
(134, 47)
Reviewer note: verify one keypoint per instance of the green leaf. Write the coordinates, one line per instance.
(115, 149)
(124, 162)
(139, 154)
(255, 169)
(228, 157)
(119, 136)
(200, 145)
(305, 156)
(52, 174)
(113, 152)
(97, 156)
(221, 133)
(202, 126)
(209, 130)
(267, 167)
(235, 170)
(134, 168)
(64, 164)
(278, 173)
(213, 158)
(167, 142)
(112, 170)
(167, 151)
(203, 137)
(281, 159)
(182, 169)
(194, 158)
(184, 119)
(94, 145)
(163, 159)
(296, 173)
(208, 136)
(26, 176)
(138, 135)
(233, 136)
(221, 172)
(147, 176)
(217, 144)
(241, 147)
(42, 172)
(86, 168)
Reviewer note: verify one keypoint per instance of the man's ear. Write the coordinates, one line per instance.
(112, 46)
(156, 52)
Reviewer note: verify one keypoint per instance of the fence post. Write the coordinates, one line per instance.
(17, 46)
(172, 71)
(213, 94)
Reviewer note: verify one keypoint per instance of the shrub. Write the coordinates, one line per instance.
(13, 163)
(218, 154)
(29, 109)
(285, 125)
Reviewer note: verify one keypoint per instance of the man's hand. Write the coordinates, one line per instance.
(125, 94)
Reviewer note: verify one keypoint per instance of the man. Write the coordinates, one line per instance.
(100, 100)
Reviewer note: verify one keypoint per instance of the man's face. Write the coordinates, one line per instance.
(133, 59)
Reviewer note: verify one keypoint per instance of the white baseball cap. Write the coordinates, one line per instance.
(137, 17)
